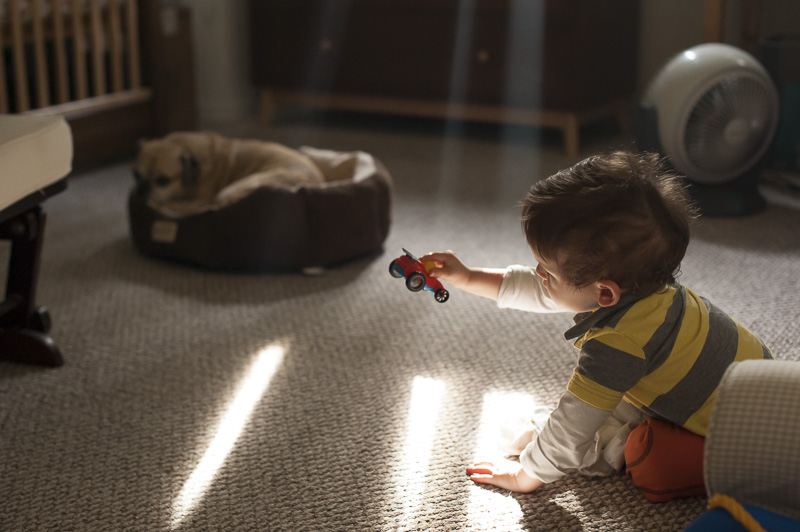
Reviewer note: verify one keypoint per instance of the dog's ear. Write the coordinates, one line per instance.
(140, 146)
(191, 169)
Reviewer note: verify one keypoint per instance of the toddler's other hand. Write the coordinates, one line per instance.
(506, 475)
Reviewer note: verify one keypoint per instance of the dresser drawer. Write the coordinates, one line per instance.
(565, 54)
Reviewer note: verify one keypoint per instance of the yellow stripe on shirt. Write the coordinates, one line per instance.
(698, 422)
(684, 354)
(592, 393)
(646, 316)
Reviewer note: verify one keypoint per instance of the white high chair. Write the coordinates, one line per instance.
(35, 158)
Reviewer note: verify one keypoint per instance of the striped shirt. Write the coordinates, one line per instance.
(664, 353)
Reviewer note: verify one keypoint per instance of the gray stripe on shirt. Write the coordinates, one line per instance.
(610, 367)
(660, 344)
(767, 353)
(718, 352)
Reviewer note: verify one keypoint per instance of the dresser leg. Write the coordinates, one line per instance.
(624, 117)
(571, 130)
(266, 107)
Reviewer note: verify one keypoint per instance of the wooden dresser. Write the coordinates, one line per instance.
(547, 63)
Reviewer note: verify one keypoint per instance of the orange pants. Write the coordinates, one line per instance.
(665, 461)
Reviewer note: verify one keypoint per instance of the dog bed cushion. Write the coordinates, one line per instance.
(278, 228)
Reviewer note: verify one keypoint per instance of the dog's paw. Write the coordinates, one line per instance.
(233, 193)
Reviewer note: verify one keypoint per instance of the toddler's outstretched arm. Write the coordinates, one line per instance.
(480, 281)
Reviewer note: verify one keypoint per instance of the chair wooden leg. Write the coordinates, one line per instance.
(23, 326)
(27, 346)
(26, 232)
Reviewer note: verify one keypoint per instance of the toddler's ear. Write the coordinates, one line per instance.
(608, 293)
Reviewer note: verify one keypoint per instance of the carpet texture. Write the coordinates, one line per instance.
(201, 400)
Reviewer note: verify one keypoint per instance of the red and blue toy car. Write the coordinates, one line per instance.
(416, 274)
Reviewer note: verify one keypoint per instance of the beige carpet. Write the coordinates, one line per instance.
(197, 400)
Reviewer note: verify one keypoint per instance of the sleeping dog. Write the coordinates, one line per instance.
(187, 172)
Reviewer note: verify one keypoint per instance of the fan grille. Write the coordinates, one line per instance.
(728, 129)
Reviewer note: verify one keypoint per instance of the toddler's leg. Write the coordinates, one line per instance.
(665, 461)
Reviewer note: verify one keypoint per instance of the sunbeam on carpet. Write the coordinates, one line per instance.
(237, 414)
(410, 476)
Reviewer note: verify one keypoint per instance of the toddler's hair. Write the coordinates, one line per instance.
(620, 216)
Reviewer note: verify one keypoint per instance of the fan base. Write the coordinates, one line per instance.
(736, 198)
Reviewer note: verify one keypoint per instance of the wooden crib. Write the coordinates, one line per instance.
(97, 62)
(65, 56)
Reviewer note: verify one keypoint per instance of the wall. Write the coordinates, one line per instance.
(667, 27)
(224, 91)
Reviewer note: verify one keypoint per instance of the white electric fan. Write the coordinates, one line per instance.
(713, 110)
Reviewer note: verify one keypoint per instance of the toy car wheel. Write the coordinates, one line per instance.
(395, 270)
(415, 282)
(441, 295)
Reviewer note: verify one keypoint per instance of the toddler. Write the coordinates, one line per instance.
(609, 235)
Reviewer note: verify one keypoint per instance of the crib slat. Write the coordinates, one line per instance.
(40, 58)
(3, 91)
(59, 49)
(18, 54)
(132, 23)
(79, 51)
(115, 29)
(98, 58)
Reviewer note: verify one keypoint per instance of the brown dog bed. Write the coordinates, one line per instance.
(278, 228)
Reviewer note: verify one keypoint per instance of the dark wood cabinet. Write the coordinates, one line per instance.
(556, 63)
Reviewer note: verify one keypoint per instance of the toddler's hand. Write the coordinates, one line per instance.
(506, 474)
(448, 268)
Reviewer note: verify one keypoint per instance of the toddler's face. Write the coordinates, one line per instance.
(562, 293)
